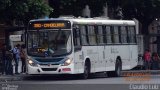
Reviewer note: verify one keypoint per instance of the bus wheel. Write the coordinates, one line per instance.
(117, 72)
(118, 69)
(86, 73)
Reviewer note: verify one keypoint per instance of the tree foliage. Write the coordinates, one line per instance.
(23, 10)
(143, 10)
(75, 7)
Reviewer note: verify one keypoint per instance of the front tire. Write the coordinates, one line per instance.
(86, 73)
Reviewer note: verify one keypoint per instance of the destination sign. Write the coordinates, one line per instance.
(49, 25)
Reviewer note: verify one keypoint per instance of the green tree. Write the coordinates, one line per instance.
(96, 7)
(143, 10)
(75, 7)
(23, 10)
(113, 5)
(3, 5)
(37, 9)
(67, 7)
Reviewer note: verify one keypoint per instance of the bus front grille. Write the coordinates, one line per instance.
(49, 69)
(47, 64)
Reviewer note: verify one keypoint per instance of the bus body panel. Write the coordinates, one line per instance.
(102, 62)
(129, 59)
(134, 58)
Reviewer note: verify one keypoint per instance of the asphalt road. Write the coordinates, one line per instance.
(98, 82)
(73, 79)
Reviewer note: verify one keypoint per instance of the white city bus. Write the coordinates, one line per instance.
(81, 46)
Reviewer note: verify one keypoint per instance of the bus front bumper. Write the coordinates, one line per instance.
(56, 69)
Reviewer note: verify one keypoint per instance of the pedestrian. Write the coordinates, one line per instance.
(140, 61)
(23, 58)
(16, 52)
(156, 60)
(14, 55)
(3, 59)
(9, 58)
(147, 59)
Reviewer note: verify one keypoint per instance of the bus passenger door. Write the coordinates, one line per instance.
(78, 60)
(78, 51)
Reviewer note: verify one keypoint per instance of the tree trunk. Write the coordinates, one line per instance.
(145, 32)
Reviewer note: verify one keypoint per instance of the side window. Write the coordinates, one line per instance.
(76, 35)
(100, 35)
(112, 34)
(123, 36)
(84, 35)
(132, 34)
(108, 34)
(116, 34)
(92, 35)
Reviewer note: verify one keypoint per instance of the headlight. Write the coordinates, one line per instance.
(67, 62)
(32, 63)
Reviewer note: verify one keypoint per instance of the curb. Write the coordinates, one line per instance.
(153, 72)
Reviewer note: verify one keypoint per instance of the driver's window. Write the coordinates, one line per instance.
(76, 35)
(77, 38)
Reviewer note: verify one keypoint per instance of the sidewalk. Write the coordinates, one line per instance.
(5, 78)
(153, 72)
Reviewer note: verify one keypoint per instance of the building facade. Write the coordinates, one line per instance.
(7, 30)
(154, 36)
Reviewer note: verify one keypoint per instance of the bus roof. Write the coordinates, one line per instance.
(99, 21)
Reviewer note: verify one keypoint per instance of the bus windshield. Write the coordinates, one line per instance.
(49, 42)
